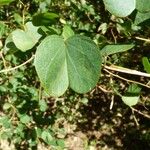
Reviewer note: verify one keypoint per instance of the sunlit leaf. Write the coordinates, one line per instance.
(120, 8)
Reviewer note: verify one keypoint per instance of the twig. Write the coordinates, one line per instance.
(143, 39)
(136, 121)
(11, 69)
(104, 90)
(126, 70)
(127, 80)
(145, 115)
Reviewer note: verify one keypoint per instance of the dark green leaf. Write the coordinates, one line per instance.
(112, 49)
(46, 19)
(146, 64)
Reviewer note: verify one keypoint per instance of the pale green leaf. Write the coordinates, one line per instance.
(25, 40)
(132, 95)
(75, 62)
(130, 100)
(112, 49)
(22, 40)
(120, 8)
(67, 32)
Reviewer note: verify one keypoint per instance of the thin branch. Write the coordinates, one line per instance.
(104, 90)
(11, 69)
(143, 39)
(126, 70)
(145, 115)
(127, 80)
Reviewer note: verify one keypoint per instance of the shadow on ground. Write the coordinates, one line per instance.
(116, 128)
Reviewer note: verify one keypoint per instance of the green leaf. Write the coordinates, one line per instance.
(132, 95)
(75, 62)
(25, 119)
(2, 29)
(141, 17)
(47, 137)
(130, 100)
(112, 49)
(67, 32)
(133, 89)
(43, 105)
(6, 106)
(5, 2)
(46, 19)
(25, 40)
(120, 8)
(146, 64)
(143, 5)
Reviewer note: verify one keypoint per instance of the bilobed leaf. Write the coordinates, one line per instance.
(25, 40)
(141, 17)
(146, 64)
(120, 8)
(75, 62)
(143, 5)
(112, 49)
(5, 2)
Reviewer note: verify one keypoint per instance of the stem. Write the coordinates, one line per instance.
(127, 80)
(126, 70)
(11, 69)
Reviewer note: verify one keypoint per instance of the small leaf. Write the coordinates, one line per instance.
(75, 62)
(46, 19)
(25, 119)
(112, 49)
(130, 100)
(25, 40)
(146, 64)
(22, 40)
(6, 106)
(67, 32)
(133, 89)
(43, 105)
(120, 8)
(143, 5)
(47, 137)
(84, 101)
(132, 97)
